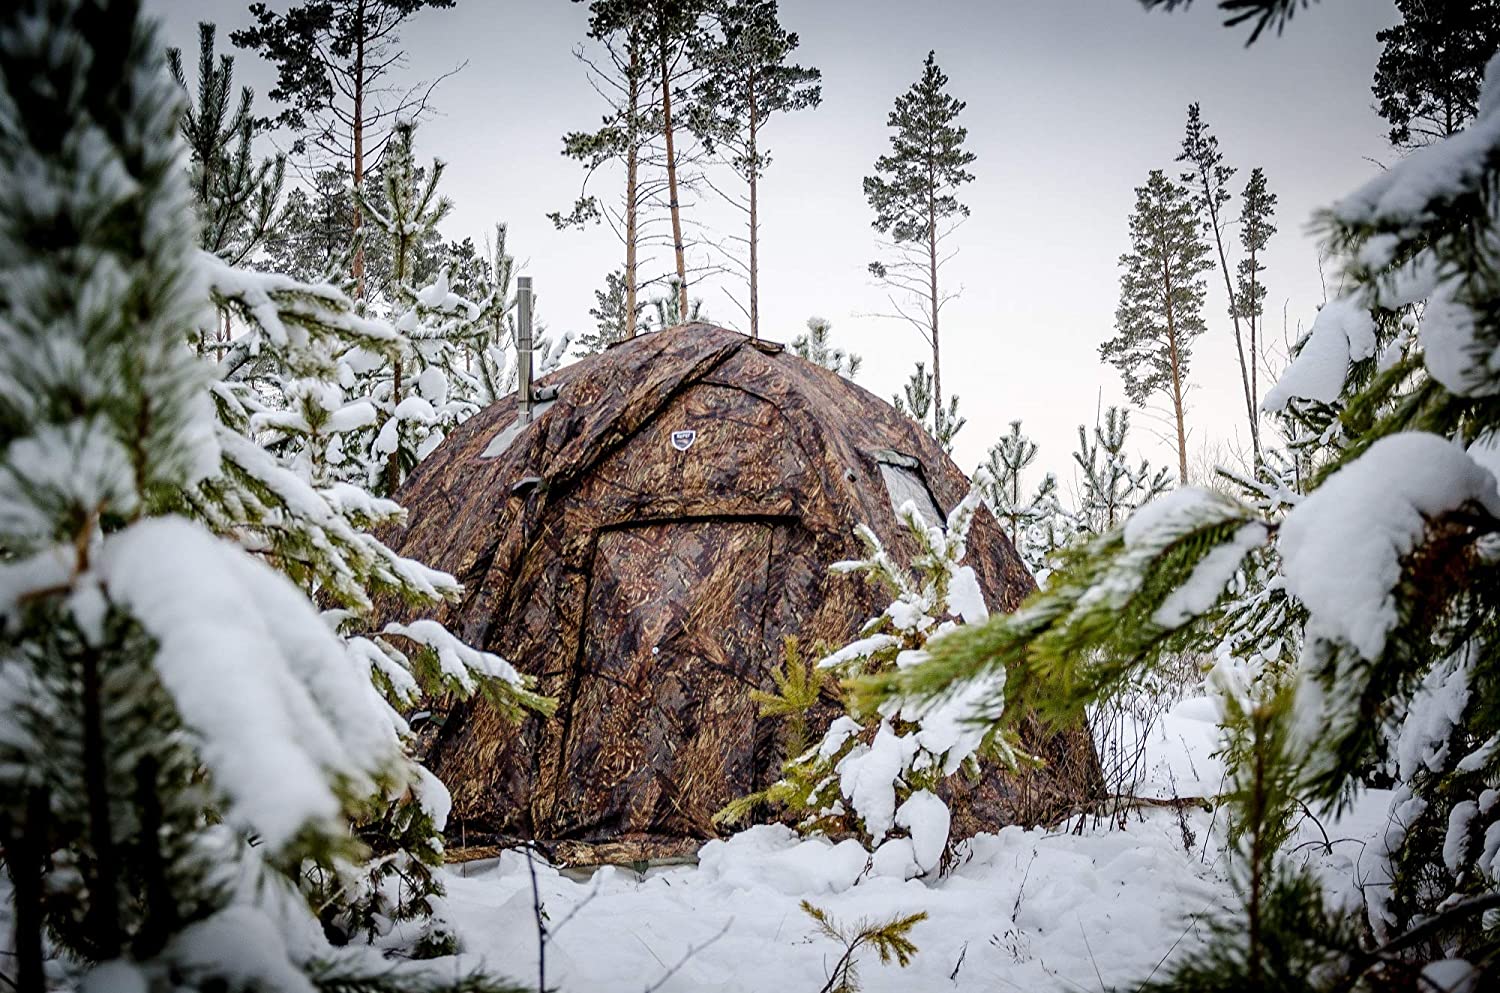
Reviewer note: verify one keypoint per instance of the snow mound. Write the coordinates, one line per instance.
(1343, 332)
(1342, 546)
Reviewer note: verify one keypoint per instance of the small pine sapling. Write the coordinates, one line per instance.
(918, 404)
(891, 940)
(877, 771)
(816, 347)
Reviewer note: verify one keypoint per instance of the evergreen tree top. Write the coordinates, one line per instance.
(746, 73)
(325, 50)
(1209, 177)
(916, 184)
(1161, 292)
(1431, 66)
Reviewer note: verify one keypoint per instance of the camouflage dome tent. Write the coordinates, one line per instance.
(642, 547)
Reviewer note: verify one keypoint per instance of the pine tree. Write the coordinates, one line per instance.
(1161, 301)
(333, 61)
(914, 194)
(1391, 593)
(1257, 209)
(1431, 64)
(815, 347)
(184, 731)
(610, 310)
(1110, 489)
(414, 396)
(625, 135)
(647, 63)
(1208, 178)
(674, 27)
(917, 403)
(746, 80)
(875, 773)
(668, 309)
(235, 194)
(1031, 520)
(313, 240)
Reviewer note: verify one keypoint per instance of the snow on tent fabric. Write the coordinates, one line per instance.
(649, 587)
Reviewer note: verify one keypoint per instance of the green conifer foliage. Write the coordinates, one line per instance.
(1110, 489)
(816, 346)
(1029, 517)
(917, 403)
(186, 739)
(334, 60)
(914, 194)
(612, 318)
(1431, 64)
(745, 80)
(1383, 550)
(1161, 301)
(1257, 211)
(890, 940)
(236, 196)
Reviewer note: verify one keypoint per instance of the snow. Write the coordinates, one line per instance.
(1343, 332)
(277, 706)
(1403, 812)
(458, 662)
(1209, 577)
(1460, 821)
(1342, 546)
(858, 649)
(1402, 197)
(927, 819)
(965, 598)
(1450, 976)
(868, 774)
(1434, 710)
(239, 945)
(1173, 512)
(1452, 347)
(1028, 910)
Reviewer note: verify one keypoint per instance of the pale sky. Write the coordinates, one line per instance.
(1070, 104)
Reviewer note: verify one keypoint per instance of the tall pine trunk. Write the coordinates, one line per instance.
(359, 149)
(1253, 320)
(932, 289)
(1234, 316)
(632, 169)
(666, 110)
(1176, 362)
(754, 221)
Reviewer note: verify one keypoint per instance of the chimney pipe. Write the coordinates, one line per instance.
(524, 391)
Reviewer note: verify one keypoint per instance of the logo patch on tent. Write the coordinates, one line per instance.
(683, 440)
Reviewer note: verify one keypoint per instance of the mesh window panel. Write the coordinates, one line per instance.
(904, 485)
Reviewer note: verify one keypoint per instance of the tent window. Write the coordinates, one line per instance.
(904, 482)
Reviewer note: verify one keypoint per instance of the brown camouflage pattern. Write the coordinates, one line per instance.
(649, 589)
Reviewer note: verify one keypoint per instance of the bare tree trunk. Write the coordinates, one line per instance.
(103, 880)
(632, 168)
(1234, 316)
(398, 277)
(359, 148)
(932, 288)
(1253, 320)
(1176, 362)
(666, 110)
(24, 850)
(754, 223)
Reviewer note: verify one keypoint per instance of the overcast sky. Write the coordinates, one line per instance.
(1070, 104)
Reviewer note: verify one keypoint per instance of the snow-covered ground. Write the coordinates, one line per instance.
(1026, 910)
